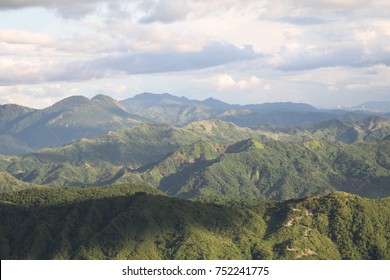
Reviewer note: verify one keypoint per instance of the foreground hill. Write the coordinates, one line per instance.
(109, 223)
(68, 120)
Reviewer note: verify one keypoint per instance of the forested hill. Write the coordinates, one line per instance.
(270, 169)
(104, 223)
(209, 158)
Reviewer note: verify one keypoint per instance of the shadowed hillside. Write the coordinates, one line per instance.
(105, 224)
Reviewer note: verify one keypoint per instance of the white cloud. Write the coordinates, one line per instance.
(168, 11)
(302, 50)
(36, 96)
(16, 70)
(66, 8)
(333, 88)
(267, 87)
(154, 37)
(225, 81)
(14, 36)
(25, 70)
(146, 11)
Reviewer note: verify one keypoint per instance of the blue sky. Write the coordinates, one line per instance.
(327, 53)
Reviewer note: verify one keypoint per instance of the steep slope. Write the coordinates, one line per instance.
(68, 120)
(143, 226)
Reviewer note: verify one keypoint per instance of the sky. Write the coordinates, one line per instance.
(328, 53)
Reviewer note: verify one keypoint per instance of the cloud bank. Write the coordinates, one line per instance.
(241, 51)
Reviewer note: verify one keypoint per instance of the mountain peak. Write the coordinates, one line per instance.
(102, 97)
(216, 104)
(109, 103)
(148, 95)
(71, 101)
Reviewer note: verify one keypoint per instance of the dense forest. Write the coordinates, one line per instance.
(132, 222)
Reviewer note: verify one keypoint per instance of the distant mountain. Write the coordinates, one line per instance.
(11, 114)
(169, 109)
(248, 118)
(24, 130)
(374, 106)
(123, 223)
(216, 158)
(216, 104)
(70, 119)
(363, 129)
(281, 107)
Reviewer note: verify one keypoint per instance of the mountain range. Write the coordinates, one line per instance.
(374, 106)
(23, 130)
(166, 177)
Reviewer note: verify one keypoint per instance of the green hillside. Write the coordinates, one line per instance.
(105, 223)
(212, 158)
(271, 169)
(10, 183)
